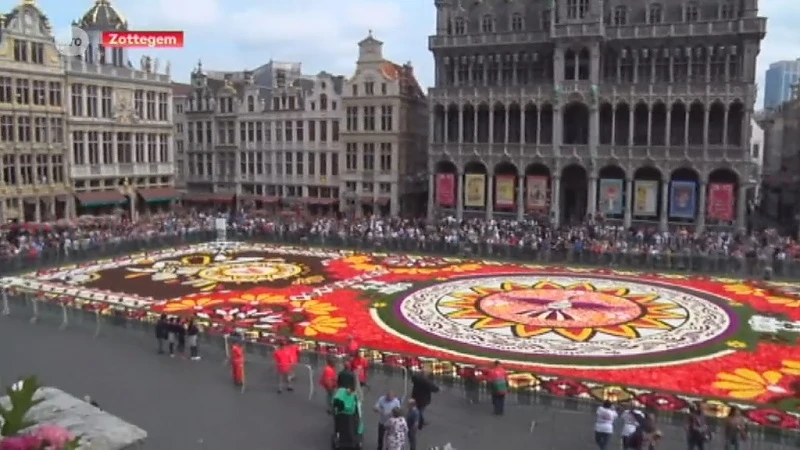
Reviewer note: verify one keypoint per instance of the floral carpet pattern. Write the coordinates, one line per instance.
(661, 340)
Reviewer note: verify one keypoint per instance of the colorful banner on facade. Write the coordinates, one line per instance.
(682, 199)
(645, 198)
(446, 189)
(475, 190)
(721, 201)
(536, 198)
(504, 190)
(610, 198)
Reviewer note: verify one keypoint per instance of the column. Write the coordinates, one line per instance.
(555, 199)
(663, 217)
(591, 207)
(613, 125)
(460, 195)
(649, 124)
(51, 208)
(446, 138)
(725, 126)
(667, 130)
(85, 150)
(520, 196)
(431, 193)
(505, 125)
(628, 218)
(741, 208)
(631, 123)
(706, 120)
(394, 201)
(700, 223)
(490, 195)
(491, 123)
(686, 127)
(475, 125)
(114, 151)
(38, 210)
(460, 138)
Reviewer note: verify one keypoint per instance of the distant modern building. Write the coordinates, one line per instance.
(385, 136)
(781, 160)
(780, 78)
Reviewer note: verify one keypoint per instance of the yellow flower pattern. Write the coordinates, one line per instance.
(324, 325)
(261, 298)
(790, 367)
(784, 301)
(315, 307)
(744, 289)
(747, 384)
(736, 344)
(190, 304)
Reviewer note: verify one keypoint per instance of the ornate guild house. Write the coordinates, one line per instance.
(633, 111)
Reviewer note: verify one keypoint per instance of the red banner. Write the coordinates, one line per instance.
(446, 189)
(721, 202)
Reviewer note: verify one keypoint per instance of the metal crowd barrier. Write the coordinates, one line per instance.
(547, 410)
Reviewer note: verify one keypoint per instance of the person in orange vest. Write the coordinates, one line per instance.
(237, 364)
(359, 364)
(285, 358)
(497, 377)
(328, 382)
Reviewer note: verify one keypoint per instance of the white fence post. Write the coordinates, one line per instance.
(310, 380)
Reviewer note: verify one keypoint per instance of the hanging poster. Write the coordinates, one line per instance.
(721, 201)
(537, 192)
(475, 190)
(645, 198)
(504, 191)
(682, 199)
(610, 199)
(445, 189)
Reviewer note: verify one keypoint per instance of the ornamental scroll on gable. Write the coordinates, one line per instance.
(123, 107)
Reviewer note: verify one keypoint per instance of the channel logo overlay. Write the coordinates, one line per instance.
(71, 42)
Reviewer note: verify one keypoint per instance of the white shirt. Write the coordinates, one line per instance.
(629, 423)
(605, 418)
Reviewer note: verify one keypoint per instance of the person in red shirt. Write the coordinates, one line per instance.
(285, 358)
(237, 364)
(328, 382)
(351, 348)
(359, 364)
(497, 378)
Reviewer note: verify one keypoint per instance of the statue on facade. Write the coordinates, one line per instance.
(155, 65)
(168, 68)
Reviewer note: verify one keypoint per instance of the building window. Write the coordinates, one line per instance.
(6, 128)
(368, 159)
(386, 118)
(691, 13)
(487, 24)
(354, 88)
(251, 104)
(546, 19)
(78, 145)
(163, 107)
(54, 89)
(323, 102)
(56, 130)
(40, 130)
(323, 131)
(620, 15)
(384, 89)
(369, 88)
(351, 157)
(312, 168)
(369, 118)
(94, 148)
(288, 160)
(516, 22)
(459, 26)
(37, 53)
(727, 10)
(91, 101)
(323, 164)
(20, 51)
(6, 90)
(138, 103)
(151, 105)
(298, 131)
(39, 93)
(352, 118)
(23, 92)
(77, 99)
(298, 157)
(577, 9)
(386, 157)
(655, 15)
(24, 133)
(106, 102)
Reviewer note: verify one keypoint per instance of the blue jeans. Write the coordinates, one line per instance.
(602, 439)
(498, 404)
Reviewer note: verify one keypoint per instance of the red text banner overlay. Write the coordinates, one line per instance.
(143, 39)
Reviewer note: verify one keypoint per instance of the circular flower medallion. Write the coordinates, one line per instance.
(251, 272)
(589, 319)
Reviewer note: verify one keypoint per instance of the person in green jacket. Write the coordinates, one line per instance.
(348, 427)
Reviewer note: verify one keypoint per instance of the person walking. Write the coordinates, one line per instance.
(498, 386)
(385, 406)
(413, 417)
(162, 333)
(180, 331)
(328, 382)
(396, 431)
(605, 416)
(172, 336)
(735, 429)
(346, 377)
(697, 433)
(237, 364)
(422, 390)
(359, 366)
(192, 332)
(284, 363)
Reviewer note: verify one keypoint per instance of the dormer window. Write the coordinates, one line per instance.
(577, 9)
(691, 13)
(251, 104)
(323, 102)
(487, 24)
(323, 85)
(547, 20)
(354, 88)
(516, 22)
(655, 14)
(620, 15)
(727, 10)
(459, 26)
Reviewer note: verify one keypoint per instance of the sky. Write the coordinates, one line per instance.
(232, 35)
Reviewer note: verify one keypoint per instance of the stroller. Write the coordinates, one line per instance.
(347, 425)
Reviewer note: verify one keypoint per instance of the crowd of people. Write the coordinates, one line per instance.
(714, 249)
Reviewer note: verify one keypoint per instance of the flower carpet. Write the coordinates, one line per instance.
(660, 340)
